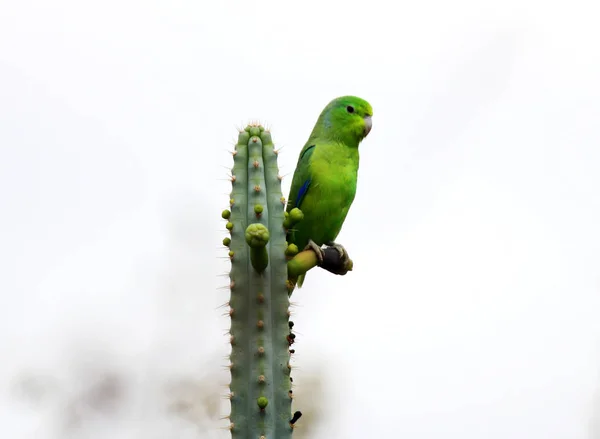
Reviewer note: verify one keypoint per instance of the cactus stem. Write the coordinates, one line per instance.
(261, 303)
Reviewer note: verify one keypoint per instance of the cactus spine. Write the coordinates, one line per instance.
(260, 333)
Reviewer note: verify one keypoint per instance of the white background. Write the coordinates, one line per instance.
(473, 308)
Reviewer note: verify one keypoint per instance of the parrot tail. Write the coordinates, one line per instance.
(300, 280)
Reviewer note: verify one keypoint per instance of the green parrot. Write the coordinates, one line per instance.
(324, 182)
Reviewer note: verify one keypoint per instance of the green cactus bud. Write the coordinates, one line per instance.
(291, 250)
(296, 215)
(258, 209)
(229, 225)
(257, 237)
(225, 214)
(262, 402)
(226, 241)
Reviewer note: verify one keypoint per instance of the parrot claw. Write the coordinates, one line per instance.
(340, 249)
(317, 249)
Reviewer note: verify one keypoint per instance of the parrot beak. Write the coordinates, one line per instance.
(368, 125)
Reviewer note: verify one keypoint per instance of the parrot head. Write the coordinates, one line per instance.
(346, 119)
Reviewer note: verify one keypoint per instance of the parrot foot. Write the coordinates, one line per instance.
(317, 249)
(340, 249)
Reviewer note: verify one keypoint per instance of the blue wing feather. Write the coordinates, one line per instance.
(301, 193)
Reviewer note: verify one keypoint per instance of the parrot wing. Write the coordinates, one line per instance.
(299, 189)
(301, 180)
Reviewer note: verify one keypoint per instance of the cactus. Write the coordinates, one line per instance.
(259, 302)
(262, 277)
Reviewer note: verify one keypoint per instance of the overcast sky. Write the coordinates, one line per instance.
(473, 308)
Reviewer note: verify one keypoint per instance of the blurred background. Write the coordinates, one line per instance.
(473, 307)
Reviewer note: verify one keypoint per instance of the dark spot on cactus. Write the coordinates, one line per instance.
(290, 393)
(233, 178)
(291, 380)
(292, 351)
(260, 324)
(292, 336)
(291, 324)
(297, 415)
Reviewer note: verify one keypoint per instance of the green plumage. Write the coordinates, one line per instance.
(324, 182)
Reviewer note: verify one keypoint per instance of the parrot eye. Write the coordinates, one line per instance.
(350, 109)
